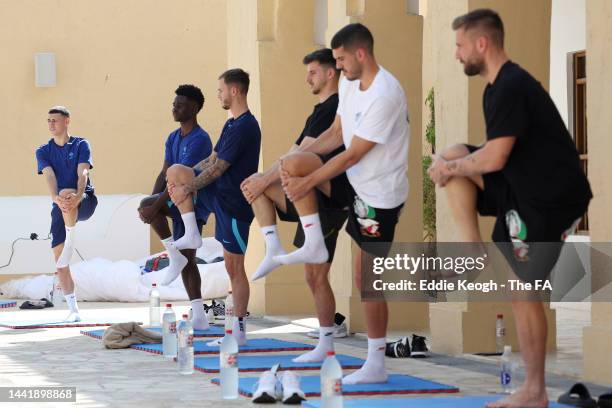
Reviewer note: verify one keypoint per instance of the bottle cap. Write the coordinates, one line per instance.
(154, 285)
(331, 353)
(229, 292)
(185, 316)
(168, 304)
(500, 316)
(228, 331)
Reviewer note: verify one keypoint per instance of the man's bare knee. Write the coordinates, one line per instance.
(301, 164)
(317, 274)
(147, 201)
(66, 191)
(179, 174)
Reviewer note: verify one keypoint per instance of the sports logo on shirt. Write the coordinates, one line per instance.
(357, 116)
(70, 155)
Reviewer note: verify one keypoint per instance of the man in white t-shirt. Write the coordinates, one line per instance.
(372, 123)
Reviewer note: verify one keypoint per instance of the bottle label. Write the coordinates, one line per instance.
(506, 378)
(172, 327)
(228, 360)
(331, 387)
(190, 340)
(229, 311)
(501, 331)
(185, 340)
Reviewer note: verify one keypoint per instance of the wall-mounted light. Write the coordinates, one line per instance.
(44, 68)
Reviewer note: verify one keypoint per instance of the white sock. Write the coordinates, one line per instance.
(192, 238)
(273, 248)
(66, 255)
(200, 321)
(238, 331)
(177, 262)
(326, 343)
(373, 371)
(71, 301)
(313, 250)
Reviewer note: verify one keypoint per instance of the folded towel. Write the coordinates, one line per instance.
(123, 335)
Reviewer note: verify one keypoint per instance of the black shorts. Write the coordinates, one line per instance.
(371, 228)
(542, 230)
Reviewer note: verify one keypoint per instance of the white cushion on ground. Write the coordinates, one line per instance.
(103, 280)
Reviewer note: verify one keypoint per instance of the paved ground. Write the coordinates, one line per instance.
(129, 378)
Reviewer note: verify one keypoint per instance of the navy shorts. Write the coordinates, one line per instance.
(231, 232)
(58, 229)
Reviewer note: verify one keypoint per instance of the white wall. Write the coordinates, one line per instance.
(114, 232)
(567, 34)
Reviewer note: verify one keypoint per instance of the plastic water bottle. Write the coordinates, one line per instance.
(331, 382)
(228, 361)
(56, 293)
(500, 333)
(185, 346)
(507, 371)
(229, 312)
(169, 340)
(154, 306)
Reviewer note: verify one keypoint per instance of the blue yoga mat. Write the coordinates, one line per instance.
(49, 324)
(421, 402)
(397, 384)
(263, 363)
(5, 304)
(214, 331)
(252, 346)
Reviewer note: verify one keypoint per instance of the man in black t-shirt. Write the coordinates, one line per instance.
(265, 193)
(527, 174)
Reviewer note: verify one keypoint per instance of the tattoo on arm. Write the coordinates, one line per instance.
(458, 167)
(209, 174)
(207, 162)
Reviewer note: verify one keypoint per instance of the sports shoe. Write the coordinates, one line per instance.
(419, 348)
(340, 329)
(398, 349)
(72, 318)
(290, 385)
(266, 391)
(216, 311)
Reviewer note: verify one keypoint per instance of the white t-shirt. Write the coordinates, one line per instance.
(378, 114)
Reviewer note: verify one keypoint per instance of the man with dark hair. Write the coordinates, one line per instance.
(527, 174)
(237, 78)
(65, 161)
(372, 124)
(265, 194)
(187, 145)
(214, 183)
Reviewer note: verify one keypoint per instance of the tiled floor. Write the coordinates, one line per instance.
(127, 378)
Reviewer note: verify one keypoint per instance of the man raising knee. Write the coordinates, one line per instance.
(527, 174)
(215, 182)
(372, 123)
(265, 194)
(65, 161)
(187, 145)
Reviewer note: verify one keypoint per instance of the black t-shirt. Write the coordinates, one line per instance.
(320, 120)
(543, 168)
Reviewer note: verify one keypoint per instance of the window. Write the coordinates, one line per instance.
(577, 83)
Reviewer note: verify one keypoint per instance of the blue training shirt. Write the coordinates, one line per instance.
(238, 145)
(189, 150)
(65, 160)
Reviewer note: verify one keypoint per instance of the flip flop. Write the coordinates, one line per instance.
(605, 399)
(578, 396)
(32, 304)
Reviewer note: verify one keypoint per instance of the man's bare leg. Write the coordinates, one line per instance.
(376, 315)
(70, 219)
(529, 315)
(313, 250)
(180, 175)
(264, 210)
(317, 277)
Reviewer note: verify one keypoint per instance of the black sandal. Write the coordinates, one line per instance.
(578, 396)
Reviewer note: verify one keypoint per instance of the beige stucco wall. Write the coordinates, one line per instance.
(118, 64)
(598, 337)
